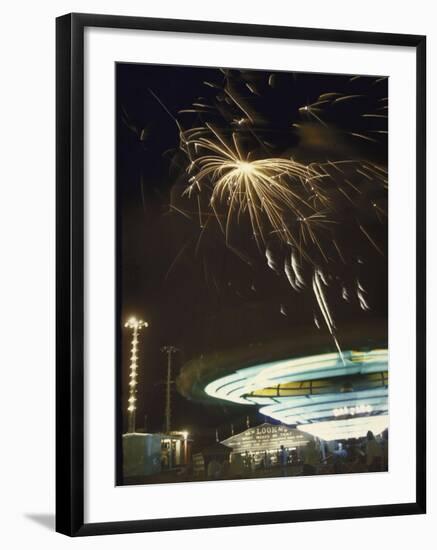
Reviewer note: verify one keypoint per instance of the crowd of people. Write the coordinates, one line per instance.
(369, 454)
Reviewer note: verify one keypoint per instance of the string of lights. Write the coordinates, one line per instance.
(135, 325)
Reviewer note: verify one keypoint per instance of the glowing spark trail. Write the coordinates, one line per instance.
(324, 308)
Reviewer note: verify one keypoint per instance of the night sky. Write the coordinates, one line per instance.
(215, 301)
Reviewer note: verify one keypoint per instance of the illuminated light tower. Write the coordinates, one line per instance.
(169, 350)
(135, 325)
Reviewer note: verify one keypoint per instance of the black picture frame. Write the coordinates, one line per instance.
(70, 273)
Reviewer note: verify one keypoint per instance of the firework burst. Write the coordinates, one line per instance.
(237, 172)
(267, 190)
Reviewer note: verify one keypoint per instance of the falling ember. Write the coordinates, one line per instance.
(362, 300)
(290, 275)
(297, 271)
(360, 295)
(344, 294)
(271, 260)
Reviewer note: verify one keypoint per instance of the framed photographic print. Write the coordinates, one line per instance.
(240, 274)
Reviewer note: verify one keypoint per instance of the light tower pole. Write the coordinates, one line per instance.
(135, 325)
(169, 350)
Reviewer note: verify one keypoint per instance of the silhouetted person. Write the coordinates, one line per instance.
(283, 460)
(311, 458)
(373, 453)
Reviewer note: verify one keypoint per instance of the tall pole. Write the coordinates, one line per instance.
(169, 350)
(135, 325)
